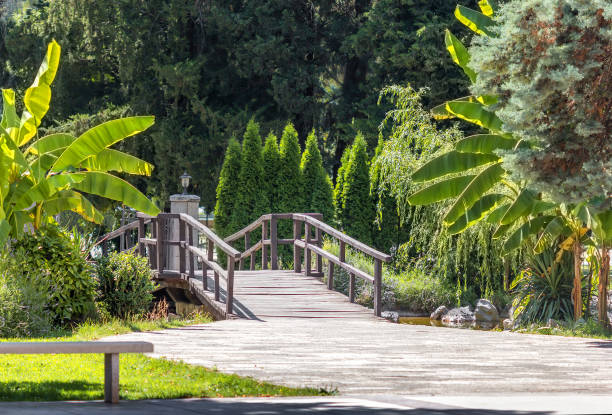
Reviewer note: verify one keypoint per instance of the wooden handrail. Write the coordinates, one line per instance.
(225, 247)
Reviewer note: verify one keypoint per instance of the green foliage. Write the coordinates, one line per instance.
(357, 213)
(271, 178)
(50, 259)
(339, 188)
(317, 186)
(251, 199)
(23, 311)
(543, 291)
(227, 187)
(549, 65)
(291, 198)
(44, 176)
(125, 285)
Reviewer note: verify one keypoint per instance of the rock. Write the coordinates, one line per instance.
(439, 312)
(552, 323)
(508, 324)
(485, 311)
(391, 316)
(172, 316)
(460, 315)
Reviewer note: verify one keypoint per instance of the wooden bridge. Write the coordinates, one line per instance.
(223, 285)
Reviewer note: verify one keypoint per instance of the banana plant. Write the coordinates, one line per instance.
(43, 176)
(473, 176)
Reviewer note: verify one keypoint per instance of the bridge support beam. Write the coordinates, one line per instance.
(188, 204)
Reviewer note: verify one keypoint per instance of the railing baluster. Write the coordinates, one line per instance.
(297, 260)
(159, 249)
(377, 287)
(264, 248)
(190, 240)
(307, 252)
(153, 248)
(274, 242)
(330, 276)
(210, 252)
(352, 287)
(319, 257)
(182, 251)
(247, 245)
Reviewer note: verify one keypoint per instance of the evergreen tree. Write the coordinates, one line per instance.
(387, 230)
(226, 189)
(339, 189)
(317, 189)
(251, 198)
(357, 207)
(271, 165)
(291, 199)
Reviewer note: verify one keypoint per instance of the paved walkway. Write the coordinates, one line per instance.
(366, 356)
(371, 405)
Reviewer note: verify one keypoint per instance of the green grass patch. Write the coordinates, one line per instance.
(588, 329)
(47, 377)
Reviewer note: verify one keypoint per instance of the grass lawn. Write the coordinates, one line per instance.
(589, 329)
(81, 376)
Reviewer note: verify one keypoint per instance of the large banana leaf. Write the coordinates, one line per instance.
(46, 188)
(111, 187)
(475, 113)
(75, 202)
(100, 137)
(488, 7)
(442, 112)
(499, 212)
(440, 191)
(51, 143)
(476, 21)
(475, 214)
(459, 54)
(485, 143)
(9, 113)
(481, 184)
(531, 227)
(551, 232)
(522, 206)
(113, 160)
(451, 162)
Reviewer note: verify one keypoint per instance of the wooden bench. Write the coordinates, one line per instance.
(111, 352)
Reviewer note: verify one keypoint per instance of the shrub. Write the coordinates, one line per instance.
(290, 191)
(23, 302)
(125, 286)
(271, 165)
(226, 189)
(49, 258)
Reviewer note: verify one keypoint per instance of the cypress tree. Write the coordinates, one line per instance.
(387, 230)
(271, 165)
(251, 201)
(226, 189)
(357, 207)
(317, 186)
(338, 190)
(290, 177)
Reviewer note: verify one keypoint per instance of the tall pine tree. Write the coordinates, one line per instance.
(271, 165)
(317, 189)
(251, 201)
(226, 189)
(357, 213)
(339, 189)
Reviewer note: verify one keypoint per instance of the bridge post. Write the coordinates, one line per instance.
(377, 287)
(229, 298)
(330, 276)
(159, 248)
(264, 237)
(190, 230)
(297, 260)
(153, 248)
(307, 252)
(274, 242)
(319, 257)
(141, 234)
(210, 251)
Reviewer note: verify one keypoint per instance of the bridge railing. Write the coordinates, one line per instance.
(308, 231)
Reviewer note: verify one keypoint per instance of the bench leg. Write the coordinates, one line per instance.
(111, 377)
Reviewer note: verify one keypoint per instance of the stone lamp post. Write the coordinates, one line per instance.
(181, 203)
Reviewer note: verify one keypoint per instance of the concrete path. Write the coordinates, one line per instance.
(371, 356)
(372, 405)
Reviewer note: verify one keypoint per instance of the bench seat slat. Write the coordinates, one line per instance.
(74, 347)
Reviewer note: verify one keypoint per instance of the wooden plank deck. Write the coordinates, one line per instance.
(262, 295)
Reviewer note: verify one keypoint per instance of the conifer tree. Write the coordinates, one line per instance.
(271, 166)
(290, 177)
(226, 189)
(357, 207)
(338, 190)
(317, 189)
(387, 230)
(251, 198)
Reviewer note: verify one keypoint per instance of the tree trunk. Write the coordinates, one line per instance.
(604, 274)
(577, 290)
